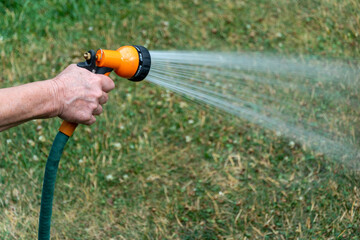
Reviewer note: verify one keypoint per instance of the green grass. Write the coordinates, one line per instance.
(233, 180)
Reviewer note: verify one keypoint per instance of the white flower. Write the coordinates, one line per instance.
(291, 144)
(165, 23)
(183, 104)
(8, 141)
(109, 177)
(191, 121)
(187, 139)
(39, 127)
(81, 161)
(117, 145)
(42, 138)
(125, 176)
(31, 142)
(221, 193)
(35, 158)
(91, 28)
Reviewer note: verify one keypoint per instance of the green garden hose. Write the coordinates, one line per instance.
(47, 196)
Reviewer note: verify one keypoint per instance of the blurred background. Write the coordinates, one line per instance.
(158, 166)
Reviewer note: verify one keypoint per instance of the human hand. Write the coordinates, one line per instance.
(80, 94)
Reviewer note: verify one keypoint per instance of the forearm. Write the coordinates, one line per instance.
(75, 95)
(30, 101)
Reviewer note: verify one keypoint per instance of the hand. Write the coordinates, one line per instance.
(80, 94)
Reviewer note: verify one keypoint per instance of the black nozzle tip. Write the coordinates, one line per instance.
(144, 64)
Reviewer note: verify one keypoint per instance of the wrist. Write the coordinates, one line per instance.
(55, 88)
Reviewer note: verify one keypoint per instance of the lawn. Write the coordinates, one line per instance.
(158, 166)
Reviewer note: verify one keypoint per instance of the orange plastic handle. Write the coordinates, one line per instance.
(67, 128)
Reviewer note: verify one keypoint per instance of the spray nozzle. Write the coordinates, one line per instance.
(131, 62)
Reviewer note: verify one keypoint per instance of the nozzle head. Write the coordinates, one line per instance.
(144, 64)
(131, 62)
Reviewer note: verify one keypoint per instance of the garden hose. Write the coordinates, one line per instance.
(131, 62)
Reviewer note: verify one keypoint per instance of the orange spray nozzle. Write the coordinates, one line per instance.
(131, 62)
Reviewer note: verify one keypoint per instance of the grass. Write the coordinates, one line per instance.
(143, 170)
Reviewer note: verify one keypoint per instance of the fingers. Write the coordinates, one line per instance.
(106, 83)
(98, 110)
(104, 98)
(90, 121)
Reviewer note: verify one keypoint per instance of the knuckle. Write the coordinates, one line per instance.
(71, 66)
(84, 116)
(93, 106)
(99, 78)
(98, 93)
(91, 121)
(89, 117)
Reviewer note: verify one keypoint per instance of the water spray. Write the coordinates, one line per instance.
(311, 100)
(131, 62)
